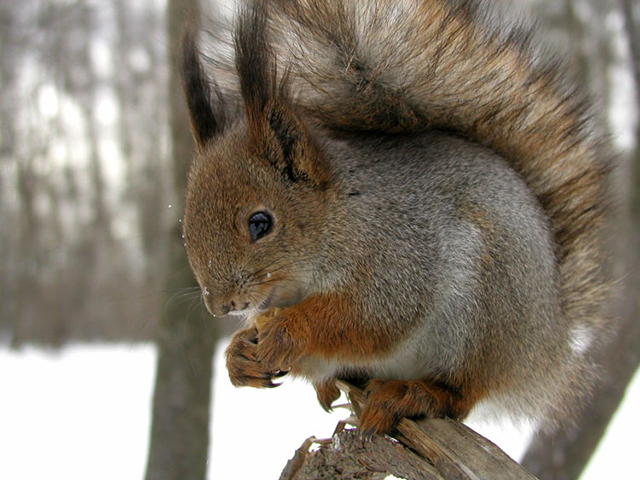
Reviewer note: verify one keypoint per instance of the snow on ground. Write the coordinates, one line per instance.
(78, 414)
(84, 413)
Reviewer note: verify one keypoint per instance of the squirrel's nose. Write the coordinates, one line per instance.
(218, 310)
(217, 305)
(213, 304)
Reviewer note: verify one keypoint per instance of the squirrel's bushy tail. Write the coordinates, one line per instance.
(412, 65)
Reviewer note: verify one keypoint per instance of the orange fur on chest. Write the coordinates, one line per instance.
(334, 329)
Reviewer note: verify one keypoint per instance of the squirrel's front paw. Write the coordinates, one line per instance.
(277, 347)
(242, 362)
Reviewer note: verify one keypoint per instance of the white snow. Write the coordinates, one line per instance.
(79, 414)
(84, 413)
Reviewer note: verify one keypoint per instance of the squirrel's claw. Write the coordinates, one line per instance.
(327, 393)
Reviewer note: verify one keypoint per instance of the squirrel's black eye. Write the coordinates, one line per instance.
(260, 224)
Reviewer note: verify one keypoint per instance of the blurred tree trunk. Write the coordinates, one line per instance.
(180, 424)
(564, 454)
(9, 272)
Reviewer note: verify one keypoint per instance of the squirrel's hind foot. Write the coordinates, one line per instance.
(387, 401)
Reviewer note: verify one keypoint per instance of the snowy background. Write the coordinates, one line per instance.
(84, 413)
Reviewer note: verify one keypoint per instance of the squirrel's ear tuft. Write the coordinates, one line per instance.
(275, 131)
(255, 65)
(206, 112)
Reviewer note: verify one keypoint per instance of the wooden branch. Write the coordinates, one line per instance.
(426, 449)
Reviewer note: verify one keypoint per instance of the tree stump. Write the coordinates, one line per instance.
(424, 449)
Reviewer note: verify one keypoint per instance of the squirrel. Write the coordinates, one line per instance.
(418, 188)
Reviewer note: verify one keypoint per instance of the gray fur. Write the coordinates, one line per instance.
(430, 253)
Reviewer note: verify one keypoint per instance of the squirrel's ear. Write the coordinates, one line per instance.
(206, 112)
(275, 131)
(286, 144)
